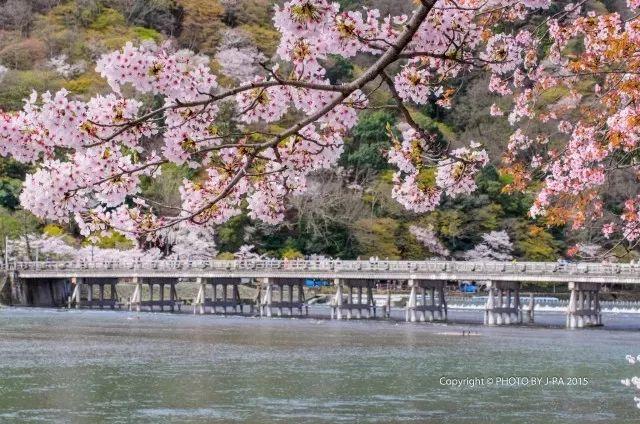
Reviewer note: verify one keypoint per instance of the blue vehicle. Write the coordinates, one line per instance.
(468, 287)
(314, 283)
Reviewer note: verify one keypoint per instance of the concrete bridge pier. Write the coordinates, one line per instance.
(584, 305)
(137, 301)
(76, 294)
(503, 303)
(101, 301)
(294, 299)
(337, 301)
(531, 309)
(358, 298)
(267, 297)
(226, 295)
(427, 301)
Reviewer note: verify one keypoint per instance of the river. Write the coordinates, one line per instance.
(60, 366)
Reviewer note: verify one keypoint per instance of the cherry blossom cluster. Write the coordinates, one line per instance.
(191, 242)
(454, 175)
(198, 197)
(429, 240)
(149, 68)
(633, 381)
(185, 243)
(267, 104)
(495, 246)
(594, 110)
(585, 250)
(288, 120)
(246, 252)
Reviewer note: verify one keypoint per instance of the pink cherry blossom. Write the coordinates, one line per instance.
(286, 120)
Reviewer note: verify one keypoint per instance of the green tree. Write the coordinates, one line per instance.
(377, 237)
(9, 191)
(339, 69)
(533, 242)
(370, 139)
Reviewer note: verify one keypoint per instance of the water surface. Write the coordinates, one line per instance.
(120, 367)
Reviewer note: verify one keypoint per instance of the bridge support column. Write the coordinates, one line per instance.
(136, 297)
(336, 303)
(161, 296)
(113, 296)
(410, 313)
(503, 303)
(150, 296)
(267, 297)
(360, 301)
(199, 302)
(230, 299)
(293, 288)
(173, 296)
(89, 286)
(77, 291)
(584, 305)
(531, 310)
(101, 295)
(431, 305)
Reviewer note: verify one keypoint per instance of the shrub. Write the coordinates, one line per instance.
(225, 256)
(18, 85)
(85, 84)
(201, 25)
(16, 15)
(147, 34)
(53, 230)
(377, 237)
(252, 12)
(265, 39)
(107, 19)
(161, 15)
(291, 253)
(114, 240)
(24, 54)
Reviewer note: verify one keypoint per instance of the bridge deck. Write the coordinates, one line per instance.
(338, 269)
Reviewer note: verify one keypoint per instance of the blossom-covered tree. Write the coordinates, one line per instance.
(495, 246)
(44, 247)
(585, 93)
(246, 252)
(181, 243)
(429, 240)
(61, 66)
(633, 382)
(191, 243)
(33, 246)
(257, 142)
(586, 251)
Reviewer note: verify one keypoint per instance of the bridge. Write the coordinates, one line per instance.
(66, 281)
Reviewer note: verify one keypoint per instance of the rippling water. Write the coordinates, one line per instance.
(118, 367)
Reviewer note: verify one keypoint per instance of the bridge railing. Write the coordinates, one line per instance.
(448, 267)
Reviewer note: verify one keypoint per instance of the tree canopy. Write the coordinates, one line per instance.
(371, 91)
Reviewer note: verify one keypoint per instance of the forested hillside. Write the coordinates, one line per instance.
(349, 212)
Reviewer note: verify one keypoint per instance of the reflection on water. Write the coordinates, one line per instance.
(89, 366)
